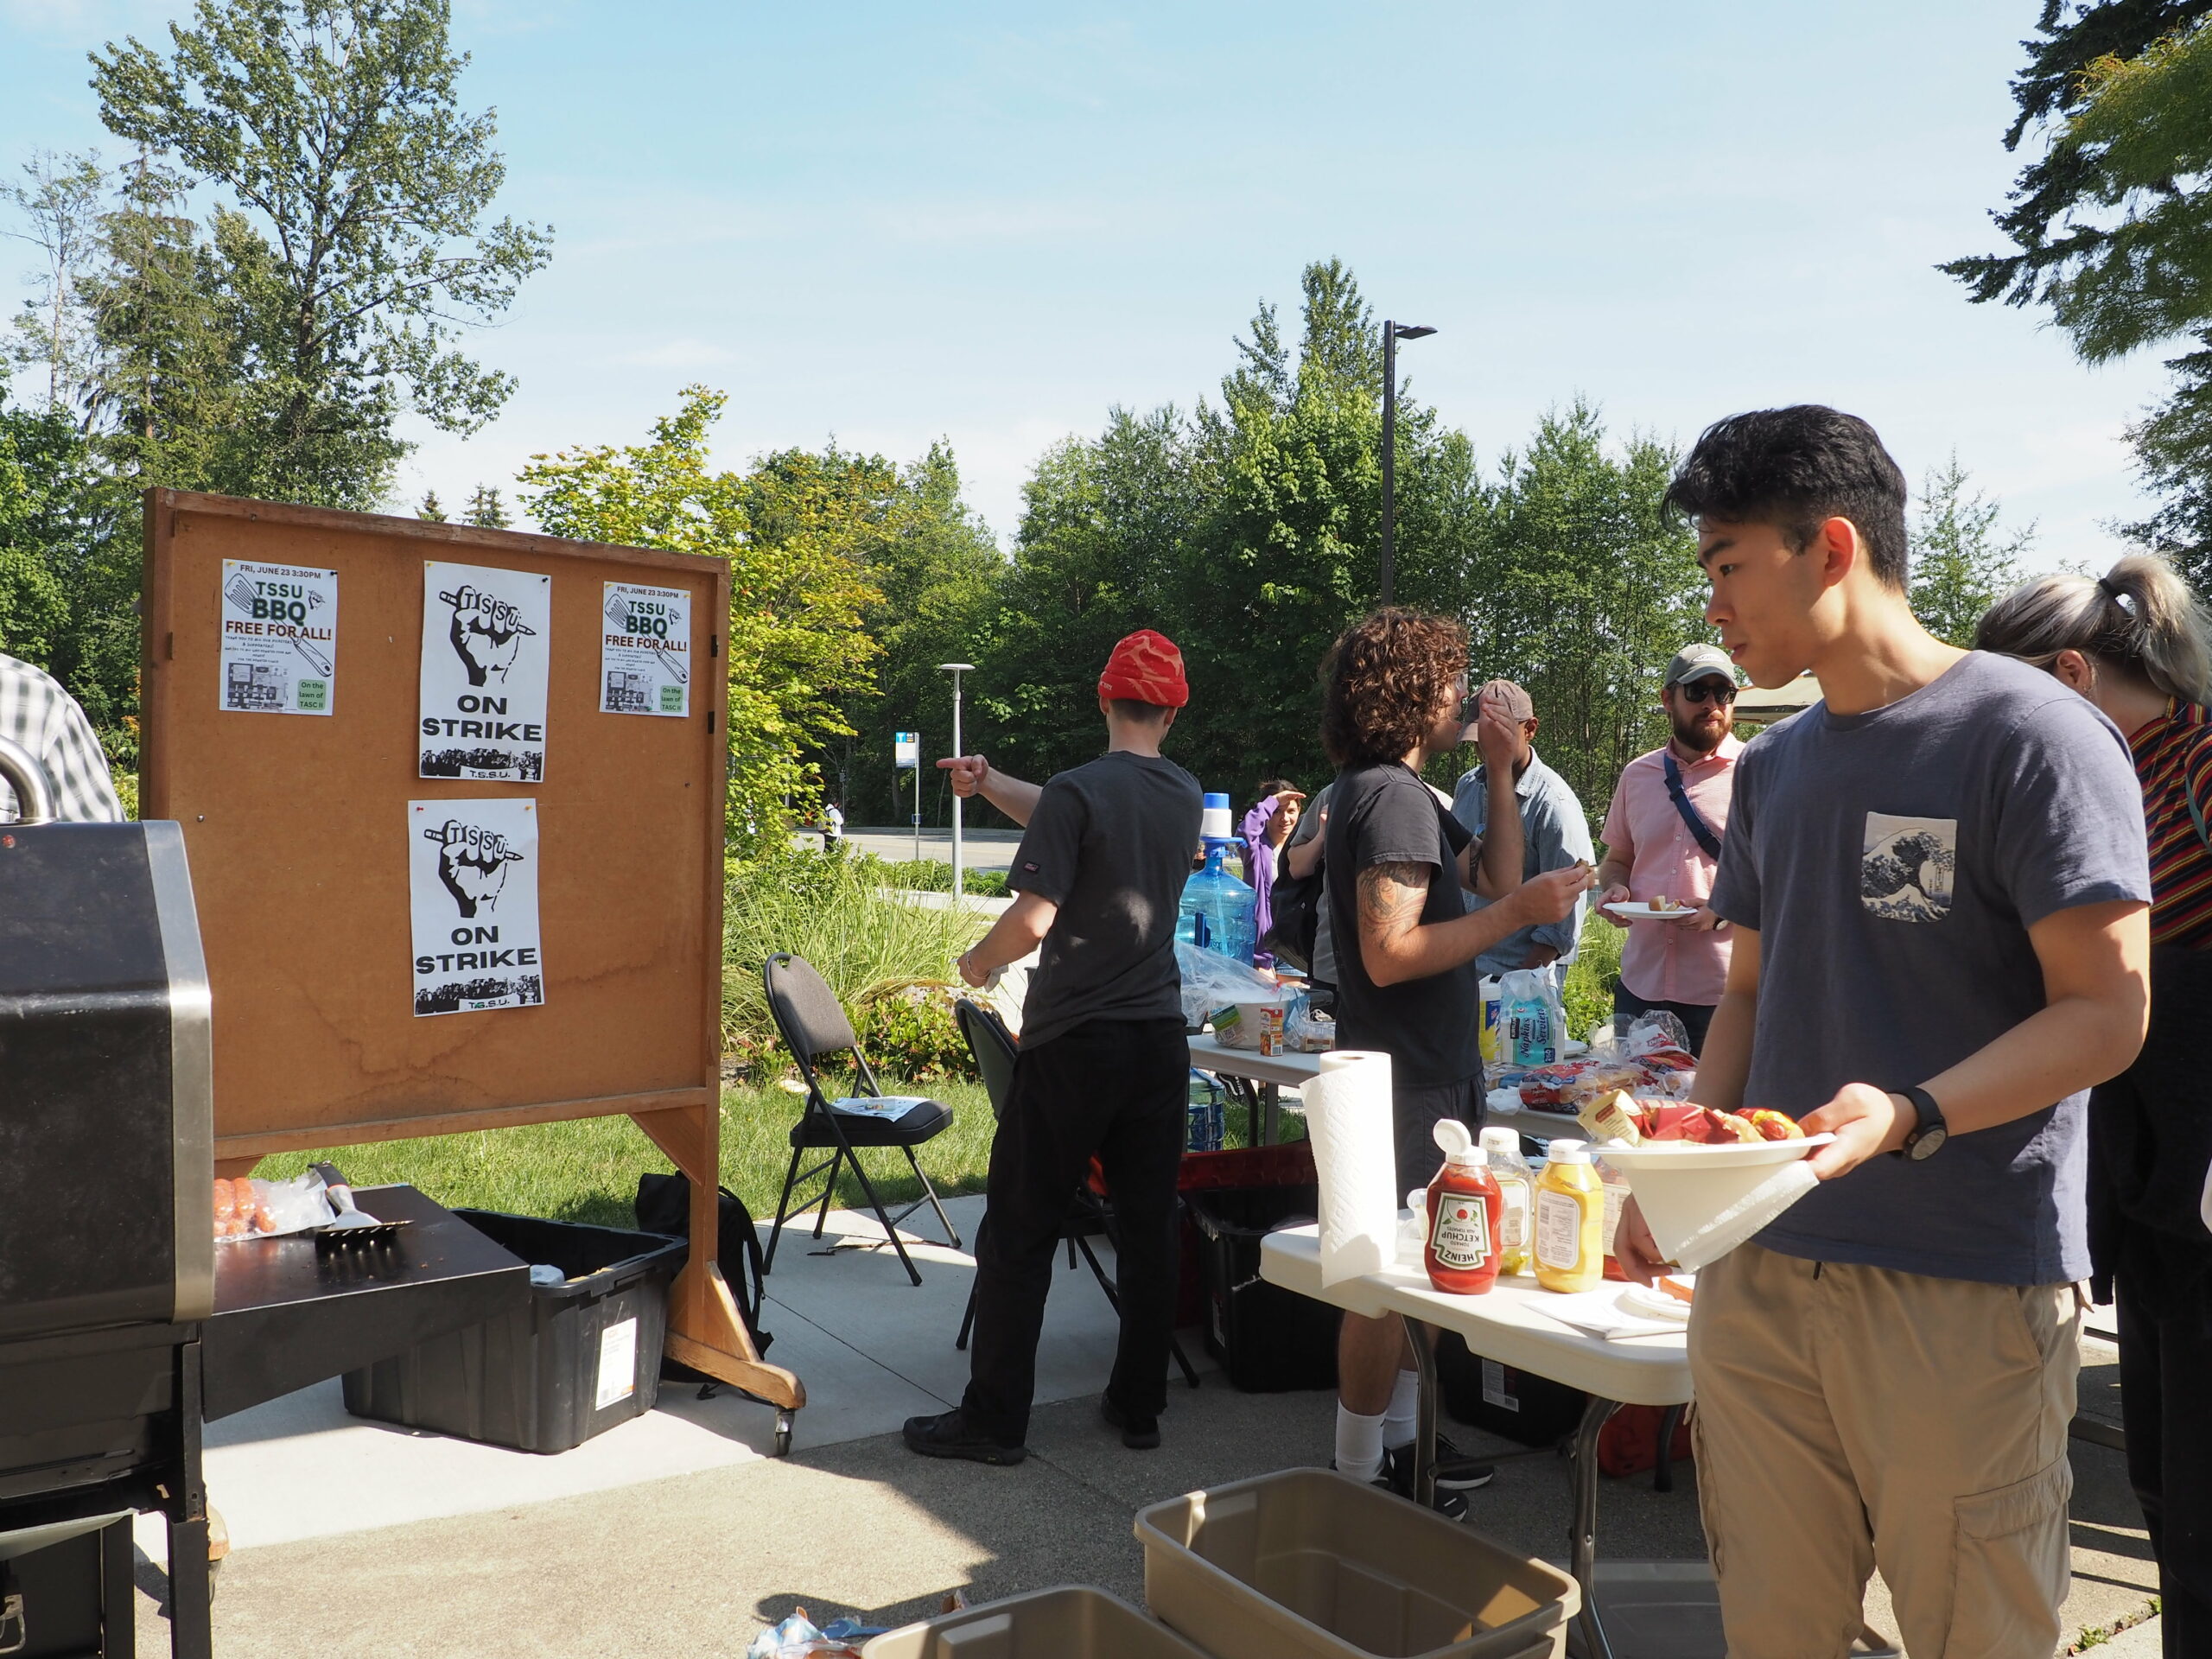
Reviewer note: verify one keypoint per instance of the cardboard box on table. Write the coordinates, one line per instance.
(296, 829)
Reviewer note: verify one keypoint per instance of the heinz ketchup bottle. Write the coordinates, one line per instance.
(1464, 1206)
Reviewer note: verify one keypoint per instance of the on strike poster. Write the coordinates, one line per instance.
(279, 652)
(485, 639)
(472, 869)
(645, 651)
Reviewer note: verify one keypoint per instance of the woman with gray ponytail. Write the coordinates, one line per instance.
(2136, 642)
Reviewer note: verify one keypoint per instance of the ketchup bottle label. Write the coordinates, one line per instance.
(1459, 1235)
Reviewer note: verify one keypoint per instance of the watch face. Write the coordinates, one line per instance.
(1931, 1141)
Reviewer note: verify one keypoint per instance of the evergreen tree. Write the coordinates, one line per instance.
(485, 509)
(431, 508)
(1961, 562)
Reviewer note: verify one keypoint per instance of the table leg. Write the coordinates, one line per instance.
(1271, 1107)
(1423, 1341)
(1582, 1534)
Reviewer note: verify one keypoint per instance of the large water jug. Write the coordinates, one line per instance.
(1219, 913)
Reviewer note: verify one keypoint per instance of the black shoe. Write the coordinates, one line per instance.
(1455, 1469)
(1453, 1506)
(949, 1434)
(1138, 1433)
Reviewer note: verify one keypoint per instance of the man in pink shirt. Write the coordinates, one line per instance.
(1662, 840)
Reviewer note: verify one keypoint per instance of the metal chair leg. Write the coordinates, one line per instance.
(966, 1320)
(830, 1189)
(1662, 1474)
(929, 1191)
(889, 1227)
(775, 1233)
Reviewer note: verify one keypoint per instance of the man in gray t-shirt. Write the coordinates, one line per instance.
(1939, 888)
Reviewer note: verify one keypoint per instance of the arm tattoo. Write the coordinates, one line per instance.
(1391, 897)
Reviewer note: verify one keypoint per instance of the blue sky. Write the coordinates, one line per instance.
(990, 223)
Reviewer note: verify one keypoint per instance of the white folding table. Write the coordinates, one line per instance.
(1507, 1324)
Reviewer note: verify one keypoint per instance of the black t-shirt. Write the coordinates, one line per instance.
(1385, 815)
(1110, 843)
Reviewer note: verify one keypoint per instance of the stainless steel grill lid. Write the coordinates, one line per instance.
(106, 1086)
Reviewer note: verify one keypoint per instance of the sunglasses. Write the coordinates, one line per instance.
(1708, 691)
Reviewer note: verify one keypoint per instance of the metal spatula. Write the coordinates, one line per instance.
(350, 1225)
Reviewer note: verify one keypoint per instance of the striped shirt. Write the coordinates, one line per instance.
(2173, 757)
(36, 713)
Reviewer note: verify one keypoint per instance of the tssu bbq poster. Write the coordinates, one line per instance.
(485, 635)
(644, 652)
(472, 871)
(280, 639)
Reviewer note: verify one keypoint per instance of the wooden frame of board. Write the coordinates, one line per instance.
(295, 826)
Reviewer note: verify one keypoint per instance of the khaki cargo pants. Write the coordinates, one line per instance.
(1849, 1417)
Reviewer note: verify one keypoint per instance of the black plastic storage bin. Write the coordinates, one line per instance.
(580, 1357)
(1267, 1339)
(1519, 1404)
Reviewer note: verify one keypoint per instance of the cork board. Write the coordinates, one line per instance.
(296, 830)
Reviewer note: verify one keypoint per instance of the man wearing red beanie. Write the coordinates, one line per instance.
(1105, 851)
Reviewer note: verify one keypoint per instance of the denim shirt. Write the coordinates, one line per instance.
(1553, 834)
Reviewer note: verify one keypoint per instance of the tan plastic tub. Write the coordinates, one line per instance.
(1306, 1564)
(1071, 1622)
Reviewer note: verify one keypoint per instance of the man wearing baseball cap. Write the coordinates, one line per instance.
(1105, 850)
(1663, 845)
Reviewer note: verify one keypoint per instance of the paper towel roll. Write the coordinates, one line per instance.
(1355, 1153)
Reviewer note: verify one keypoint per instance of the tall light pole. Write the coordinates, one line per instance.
(955, 670)
(1392, 334)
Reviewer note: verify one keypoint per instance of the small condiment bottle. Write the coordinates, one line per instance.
(1517, 1190)
(1570, 1211)
(1464, 1202)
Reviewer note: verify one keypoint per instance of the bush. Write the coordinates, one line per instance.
(1591, 976)
(829, 910)
(933, 876)
(910, 1032)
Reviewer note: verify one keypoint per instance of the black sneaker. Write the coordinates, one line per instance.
(949, 1434)
(1455, 1469)
(1453, 1506)
(1138, 1433)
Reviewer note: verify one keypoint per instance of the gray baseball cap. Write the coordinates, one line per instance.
(1691, 661)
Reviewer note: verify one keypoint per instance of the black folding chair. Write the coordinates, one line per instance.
(812, 1025)
(1089, 1215)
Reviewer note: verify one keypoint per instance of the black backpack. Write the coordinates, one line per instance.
(664, 1206)
(1294, 905)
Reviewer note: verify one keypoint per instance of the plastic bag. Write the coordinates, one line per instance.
(1308, 1030)
(251, 1208)
(1531, 1021)
(796, 1637)
(1212, 981)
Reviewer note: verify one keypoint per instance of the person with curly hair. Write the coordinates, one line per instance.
(1401, 864)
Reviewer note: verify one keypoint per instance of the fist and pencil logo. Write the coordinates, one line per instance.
(472, 864)
(487, 634)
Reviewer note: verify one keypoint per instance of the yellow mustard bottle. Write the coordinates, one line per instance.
(1570, 1246)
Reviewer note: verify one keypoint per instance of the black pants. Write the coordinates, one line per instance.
(1696, 1016)
(1115, 1088)
(2164, 1365)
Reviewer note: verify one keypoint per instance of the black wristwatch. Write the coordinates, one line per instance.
(1926, 1138)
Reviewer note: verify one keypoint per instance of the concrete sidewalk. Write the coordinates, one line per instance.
(677, 1535)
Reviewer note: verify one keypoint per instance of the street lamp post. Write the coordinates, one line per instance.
(1392, 334)
(955, 670)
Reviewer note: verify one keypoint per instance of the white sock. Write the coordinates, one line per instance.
(1359, 1444)
(1403, 1419)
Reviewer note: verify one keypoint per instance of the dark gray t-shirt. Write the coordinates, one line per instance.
(1892, 863)
(1385, 815)
(1110, 843)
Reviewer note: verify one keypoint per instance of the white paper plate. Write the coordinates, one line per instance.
(1697, 1155)
(1700, 1202)
(1645, 913)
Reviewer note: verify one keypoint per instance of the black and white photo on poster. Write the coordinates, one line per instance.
(486, 634)
(472, 869)
(279, 652)
(645, 651)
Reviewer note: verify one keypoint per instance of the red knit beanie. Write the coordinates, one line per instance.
(1146, 668)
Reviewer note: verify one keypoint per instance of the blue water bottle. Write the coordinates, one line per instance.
(1219, 913)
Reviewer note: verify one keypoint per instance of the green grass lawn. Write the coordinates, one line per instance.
(587, 1170)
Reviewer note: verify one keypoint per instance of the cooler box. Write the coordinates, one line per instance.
(576, 1360)
(1307, 1564)
(1287, 1164)
(1071, 1622)
(1267, 1339)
